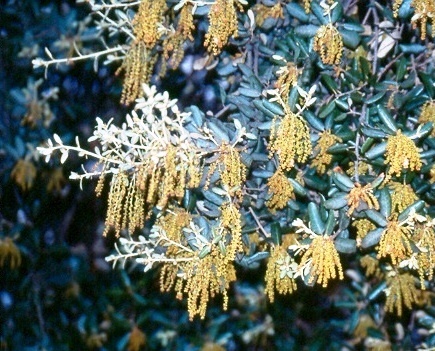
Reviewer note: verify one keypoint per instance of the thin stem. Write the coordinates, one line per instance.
(260, 226)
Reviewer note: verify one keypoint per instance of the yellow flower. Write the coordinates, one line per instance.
(400, 291)
(24, 174)
(424, 238)
(427, 114)
(363, 226)
(281, 189)
(290, 141)
(432, 175)
(9, 252)
(424, 10)
(328, 44)
(307, 5)
(137, 340)
(396, 6)
(231, 222)
(321, 261)
(173, 51)
(95, 340)
(395, 242)
(56, 181)
(263, 12)
(211, 346)
(401, 153)
(358, 194)
(322, 159)
(223, 25)
(185, 23)
(173, 222)
(371, 266)
(287, 78)
(202, 279)
(232, 170)
(138, 66)
(146, 22)
(403, 196)
(280, 273)
(363, 168)
(364, 323)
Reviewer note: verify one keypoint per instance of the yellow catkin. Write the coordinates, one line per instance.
(360, 194)
(371, 266)
(287, 78)
(56, 181)
(363, 168)
(424, 11)
(24, 174)
(281, 191)
(232, 170)
(364, 323)
(396, 6)
(322, 158)
(402, 196)
(117, 193)
(323, 261)
(307, 5)
(223, 25)
(231, 222)
(146, 22)
(362, 226)
(328, 43)
(9, 253)
(400, 291)
(137, 340)
(173, 222)
(395, 242)
(279, 273)
(424, 237)
(401, 154)
(204, 279)
(138, 66)
(263, 12)
(290, 141)
(427, 114)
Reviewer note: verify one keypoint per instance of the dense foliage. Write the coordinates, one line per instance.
(264, 171)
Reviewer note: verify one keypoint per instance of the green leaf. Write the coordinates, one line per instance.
(328, 109)
(318, 12)
(351, 39)
(376, 217)
(274, 108)
(330, 83)
(276, 234)
(385, 202)
(376, 151)
(297, 11)
(330, 223)
(314, 122)
(316, 222)
(298, 188)
(248, 92)
(416, 206)
(377, 291)
(336, 203)
(343, 181)
(345, 245)
(372, 238)
(386, 118)
(306, 30)
(376, 98)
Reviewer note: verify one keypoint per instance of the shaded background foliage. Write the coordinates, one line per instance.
(63, 295)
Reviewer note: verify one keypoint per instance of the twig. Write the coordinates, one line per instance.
(260, 226)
